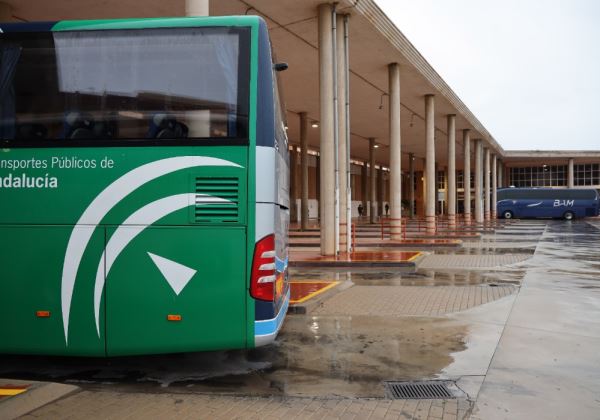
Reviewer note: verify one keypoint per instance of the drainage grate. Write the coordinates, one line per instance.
(422, 390)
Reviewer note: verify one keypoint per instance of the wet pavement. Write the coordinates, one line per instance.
(534, 344)
(376, 258)
(547, 364)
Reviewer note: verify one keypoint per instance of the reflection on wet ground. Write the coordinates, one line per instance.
(344, 355)
(420, 278)
(313, 356)
(572, 249)
(489, 250)
(546, 364)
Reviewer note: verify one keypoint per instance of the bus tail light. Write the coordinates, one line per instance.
(263, 269)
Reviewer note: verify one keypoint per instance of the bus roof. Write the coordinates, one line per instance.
(138, 23)
(547, 193)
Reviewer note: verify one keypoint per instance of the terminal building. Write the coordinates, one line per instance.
(373, 130)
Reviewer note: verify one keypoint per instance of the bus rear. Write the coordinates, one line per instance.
(128, 178)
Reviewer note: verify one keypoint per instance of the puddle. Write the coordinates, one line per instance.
(313, 356)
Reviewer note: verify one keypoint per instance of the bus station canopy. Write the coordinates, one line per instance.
(374, 42)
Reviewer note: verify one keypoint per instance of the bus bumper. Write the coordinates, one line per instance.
(266, 330)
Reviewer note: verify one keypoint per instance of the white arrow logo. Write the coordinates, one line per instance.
(177, 275)
(99, 208)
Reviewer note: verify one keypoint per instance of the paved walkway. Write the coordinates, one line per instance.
(377, 258)
(471, 261)
(132, 406)
(488, 243)
(547, 363)
(410, 300)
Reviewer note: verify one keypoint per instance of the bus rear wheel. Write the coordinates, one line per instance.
(507, 214)
(568, 215)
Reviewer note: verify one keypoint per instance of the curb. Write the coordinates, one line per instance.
(37, 395)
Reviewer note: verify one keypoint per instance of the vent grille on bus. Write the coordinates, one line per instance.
(206, 210)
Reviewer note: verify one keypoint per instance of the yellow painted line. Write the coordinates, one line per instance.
(5, 392)
(417, 255)
(313, 281)
(315, 293)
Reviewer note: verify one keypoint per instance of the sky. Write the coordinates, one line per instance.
(528, 69)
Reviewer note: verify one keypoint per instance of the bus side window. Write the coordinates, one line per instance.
(30, 131)
(78, 125)
(164, 126)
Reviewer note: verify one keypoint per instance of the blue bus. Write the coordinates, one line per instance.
(562, 203)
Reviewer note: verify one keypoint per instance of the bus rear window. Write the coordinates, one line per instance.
(167, 83)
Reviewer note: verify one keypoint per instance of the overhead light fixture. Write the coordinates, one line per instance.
(315, 125)
(381, 100)
(376, 146)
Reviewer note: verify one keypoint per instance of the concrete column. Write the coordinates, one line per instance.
(327, 129)
(342, 147)
(395, 152)
(467, 175)
(373, 183)
(363, 187)
(347, 140)
(197, 8)
(380, 192)
(411, 184)
(435, 171)
(430, 176)
(443, 202)
(486, 185)
(304, 171)
(571, 174)
(318, 186)
(494, 186)
(293, 184)
(500, 179)
(478, 181)
(451, 180)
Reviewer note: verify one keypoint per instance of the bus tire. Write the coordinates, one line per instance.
(568, 215)
(507, 214)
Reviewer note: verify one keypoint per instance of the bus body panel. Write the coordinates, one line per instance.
(31, 257)
(201, 309)
(547, 202)
(69, 179)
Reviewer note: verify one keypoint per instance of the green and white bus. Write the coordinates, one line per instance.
(144, 201)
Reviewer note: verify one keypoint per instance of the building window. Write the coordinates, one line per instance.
(539, 176)
(441, 180)
(587, 174)
(460, 180)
